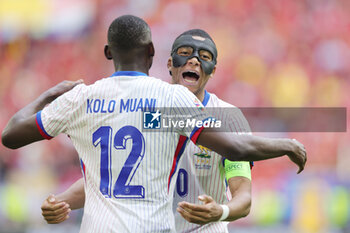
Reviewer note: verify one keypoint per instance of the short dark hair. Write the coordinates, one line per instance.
(127, 32)
(196, 32)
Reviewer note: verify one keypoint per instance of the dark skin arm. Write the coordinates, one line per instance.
(210, 211)
(21, 130)
(252, 148)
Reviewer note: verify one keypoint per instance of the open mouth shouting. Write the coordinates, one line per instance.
(190, 77)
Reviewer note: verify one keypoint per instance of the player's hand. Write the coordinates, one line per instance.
(298, 154)
(53, 211)
(62, 88)
(208, 212)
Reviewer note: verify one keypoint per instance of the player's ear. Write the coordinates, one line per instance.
(108, 53)
(151, 50)
(212, 73)
(170, 64)
(150, 53)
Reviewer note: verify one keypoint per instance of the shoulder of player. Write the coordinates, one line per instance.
(179, 89)
(146, 79)
(217, 102)
(77, 91)
(158, 81)
(83, 90)
(224, 104)
(171, 88)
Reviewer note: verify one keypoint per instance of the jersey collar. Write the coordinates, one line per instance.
(136, 73)
(206, 98)
(128, 73)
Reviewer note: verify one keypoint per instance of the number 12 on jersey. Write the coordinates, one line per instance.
(122, 189)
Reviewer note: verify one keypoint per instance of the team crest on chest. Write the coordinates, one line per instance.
(202, 158)
(203, 153)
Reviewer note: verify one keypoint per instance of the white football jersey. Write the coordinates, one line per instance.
(129, 174)
(202, 171)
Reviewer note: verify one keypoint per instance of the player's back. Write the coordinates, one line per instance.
(128, 172)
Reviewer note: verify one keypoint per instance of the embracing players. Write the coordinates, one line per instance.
(202, 173)
(131, 190)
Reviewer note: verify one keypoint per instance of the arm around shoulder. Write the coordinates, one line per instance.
(252, 148)
(22, 128)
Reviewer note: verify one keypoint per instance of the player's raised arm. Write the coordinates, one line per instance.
(22, 128)
(252, 148)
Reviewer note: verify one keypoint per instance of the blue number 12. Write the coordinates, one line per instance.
(122, 188)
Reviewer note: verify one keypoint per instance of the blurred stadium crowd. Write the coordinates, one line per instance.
(275, 53)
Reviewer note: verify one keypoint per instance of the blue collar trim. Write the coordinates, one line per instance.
(128, 73)
(206, 98)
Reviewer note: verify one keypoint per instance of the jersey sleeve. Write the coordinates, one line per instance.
(56, 117)
(188, 109)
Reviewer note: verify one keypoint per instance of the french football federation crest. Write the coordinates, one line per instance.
(203, 152)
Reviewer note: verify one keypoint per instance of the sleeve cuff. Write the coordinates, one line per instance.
(40, 126)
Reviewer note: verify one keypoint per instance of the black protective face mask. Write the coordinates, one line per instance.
(196, 45)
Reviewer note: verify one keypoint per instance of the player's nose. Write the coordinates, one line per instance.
(193, 61)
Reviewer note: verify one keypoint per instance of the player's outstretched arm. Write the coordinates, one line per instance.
(21, 129)
(210, 211)
(252, 148)
(56, 209)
